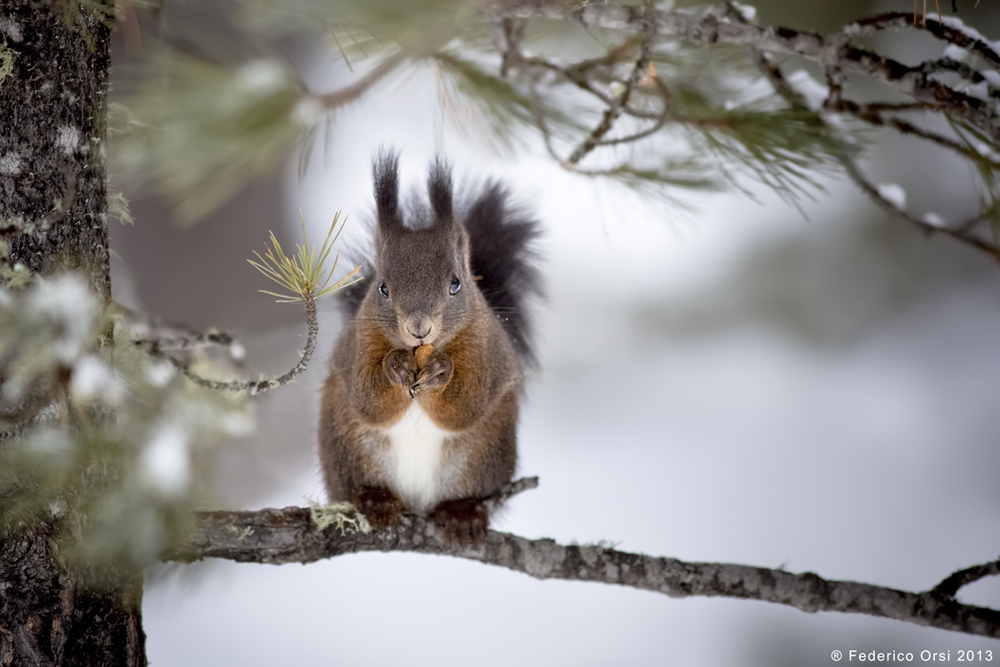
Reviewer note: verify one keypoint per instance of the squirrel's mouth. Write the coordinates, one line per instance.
(419, 330)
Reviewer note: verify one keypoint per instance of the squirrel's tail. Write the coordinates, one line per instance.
(503, 262)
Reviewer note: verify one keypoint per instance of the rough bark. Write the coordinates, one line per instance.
(289, 536)
(49, 617)
(53, 209)
(53, 199)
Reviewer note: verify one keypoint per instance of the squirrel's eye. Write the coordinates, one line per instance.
(456, 285)
(383, 290)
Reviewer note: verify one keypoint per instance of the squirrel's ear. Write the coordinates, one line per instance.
(385, 174)
(439, 190)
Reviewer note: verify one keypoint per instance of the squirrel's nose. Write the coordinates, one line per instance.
(419, 330)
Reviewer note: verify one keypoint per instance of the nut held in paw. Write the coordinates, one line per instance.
(422, 354)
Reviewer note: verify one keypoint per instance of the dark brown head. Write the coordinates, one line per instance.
(422, 292)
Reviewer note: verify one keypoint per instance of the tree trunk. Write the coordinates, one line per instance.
(52, 139)
(49, 617)
(53, 217)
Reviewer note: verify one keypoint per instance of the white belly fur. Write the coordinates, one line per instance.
(415, 459)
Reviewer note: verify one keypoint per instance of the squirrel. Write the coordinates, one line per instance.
(419, 410)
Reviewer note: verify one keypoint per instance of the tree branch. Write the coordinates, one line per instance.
(278, 536)
(949, 587)
(717, 27)
(961, 232)
(617, 105)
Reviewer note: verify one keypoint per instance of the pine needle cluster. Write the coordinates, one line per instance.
(302, 273)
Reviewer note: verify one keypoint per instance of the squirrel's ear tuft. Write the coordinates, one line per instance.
(385, 174)
(439, 190)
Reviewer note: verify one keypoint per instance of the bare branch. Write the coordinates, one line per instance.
(278, 536)
(949, 587)
(208, 339)
(509, 491)
(169, 336)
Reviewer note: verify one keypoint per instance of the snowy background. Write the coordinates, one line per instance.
(740, 383)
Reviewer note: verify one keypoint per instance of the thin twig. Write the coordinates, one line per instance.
(961, 232)
(617, 105)
(253, 387)
(507, 36)
(348, 94)
(169, 335)
(194, 342)
(872, 115)
(584, 84)
(615, 108)
(660, 123)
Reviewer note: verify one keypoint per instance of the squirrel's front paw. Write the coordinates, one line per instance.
(434, 373)
(464, 521)
(379, 505)
(400, 367)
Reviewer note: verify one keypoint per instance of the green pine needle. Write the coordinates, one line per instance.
(302, 273)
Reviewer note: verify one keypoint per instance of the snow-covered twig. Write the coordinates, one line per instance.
(716, 26)
(891, 199)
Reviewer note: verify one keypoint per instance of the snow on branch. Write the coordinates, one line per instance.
(888, 196)
(289, 535)
(779, 147)
(722, 24)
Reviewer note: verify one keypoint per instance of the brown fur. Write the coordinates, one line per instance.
(466, 375)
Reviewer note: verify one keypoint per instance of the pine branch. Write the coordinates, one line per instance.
(962, 232)
(353, 92)
(157, 349)
(717, 26)
(617, 105)
(279, 536)
(870, 113)
(302, 276)
(747, 139)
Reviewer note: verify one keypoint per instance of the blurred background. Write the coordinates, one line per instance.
(742, 381)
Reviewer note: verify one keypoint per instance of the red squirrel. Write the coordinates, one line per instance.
(419, 411)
